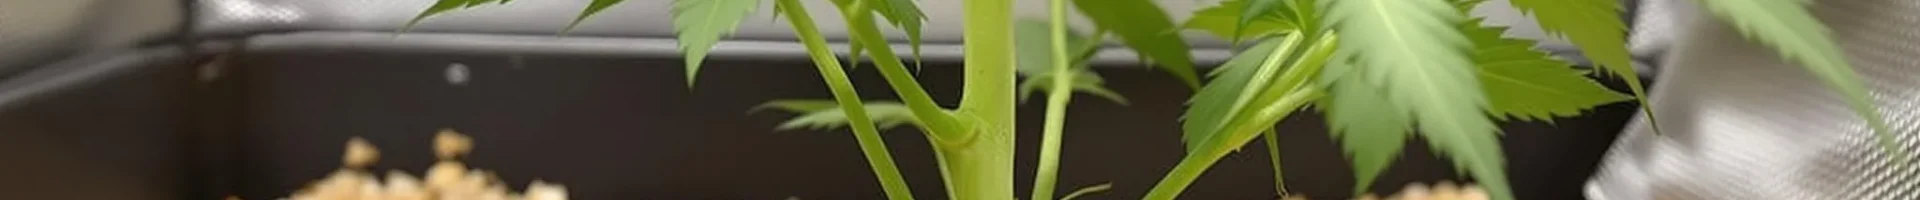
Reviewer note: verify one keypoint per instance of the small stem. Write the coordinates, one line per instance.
(863, 30)
(1182, 175)
(1273, 155)
(1046, 176)
(863, 129)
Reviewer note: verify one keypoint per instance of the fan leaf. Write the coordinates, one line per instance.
(700, 24)
(1411, 56)
(1528, 84)
(1146, 28)
(1786, 26)
(1595, 26)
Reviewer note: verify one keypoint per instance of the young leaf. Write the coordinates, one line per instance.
(1790, 29)
(1528, 84)
(599, 5)
(1142, 25)
(823, 114)
(438, 7)
(906, 15)
(1085, 81)
(700, 24)
(1222, 20)
(1410, 53)
(1597, 28)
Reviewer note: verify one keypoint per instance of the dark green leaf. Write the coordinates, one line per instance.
(1410, 54)
(826, 114)
(1798, 36)
(1529, 84)
(699, 24)
(1221, 21)
(438, 7)
(1141, 24)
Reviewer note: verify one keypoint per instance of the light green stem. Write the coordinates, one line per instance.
(865, 33)
(1046, 175)
(983, 168)
(863, 129)
(1273, 155)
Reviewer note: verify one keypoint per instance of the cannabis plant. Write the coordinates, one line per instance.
(1380, 70)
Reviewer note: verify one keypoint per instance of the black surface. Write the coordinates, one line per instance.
(629, 128)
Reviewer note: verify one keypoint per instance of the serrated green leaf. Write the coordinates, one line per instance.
(1786, 26)
(1371, 130)
(1528, 84)
(1221, 21)
(1141, 24)
(796, 105)
(1595, 26)
(438, 7)
(601, 5)
(699, 24)
(826, 114)
(1411, 54)
(906, 15)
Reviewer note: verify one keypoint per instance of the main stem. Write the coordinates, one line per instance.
(983, 167)
(863, 129)
(1047, 175)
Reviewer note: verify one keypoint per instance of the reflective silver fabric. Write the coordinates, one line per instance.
(1740, 123)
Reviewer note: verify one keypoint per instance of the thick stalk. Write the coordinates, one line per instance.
(863, 129)
(864, 31)
(1044, 178)
(983, 169)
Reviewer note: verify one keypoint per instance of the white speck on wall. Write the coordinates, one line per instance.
(457, 74)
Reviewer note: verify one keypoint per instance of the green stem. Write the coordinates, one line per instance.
(863, 129)
(1046, 176)
(865, 33)
(983, 169)
(1273, 155)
